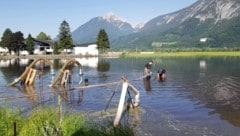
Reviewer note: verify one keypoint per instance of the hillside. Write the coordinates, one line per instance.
(217, 21)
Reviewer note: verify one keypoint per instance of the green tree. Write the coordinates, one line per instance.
(55, 48)
(17, 44)
(102, 41)
(30, 44)
(65, 38)
(7, 39)
(43, 36)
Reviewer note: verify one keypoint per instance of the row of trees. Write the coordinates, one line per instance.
(66, 42)
(14, 41)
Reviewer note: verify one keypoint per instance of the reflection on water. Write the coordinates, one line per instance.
(226, 92)
(103, 65)
(8, 62)
(71, 97)
(202, 64)
(147, 83)
(199, 97)
(29, 91)
(88, 62)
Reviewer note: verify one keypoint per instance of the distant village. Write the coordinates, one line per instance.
(42, 47)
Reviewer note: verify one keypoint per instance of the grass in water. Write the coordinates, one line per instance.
(105, 129)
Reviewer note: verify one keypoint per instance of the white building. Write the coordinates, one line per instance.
(43, 47)
(86, 49)
(3, 51)
(24, 52)
(203, 40)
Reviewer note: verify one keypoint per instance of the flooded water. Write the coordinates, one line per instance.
(200, 96)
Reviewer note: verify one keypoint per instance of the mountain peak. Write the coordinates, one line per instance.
(139, 26)
(111, 17)
(113, 25)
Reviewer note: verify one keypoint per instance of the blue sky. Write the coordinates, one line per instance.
(35, 16)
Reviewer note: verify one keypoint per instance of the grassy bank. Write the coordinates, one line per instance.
(136, 54)
(183, 54)
(47, 122)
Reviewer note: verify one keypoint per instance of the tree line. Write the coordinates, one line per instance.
(15, 42)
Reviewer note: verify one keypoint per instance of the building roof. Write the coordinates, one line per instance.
(44, 42)
(83, 45)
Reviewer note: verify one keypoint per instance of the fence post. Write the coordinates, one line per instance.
(121, 103)
(14, 129)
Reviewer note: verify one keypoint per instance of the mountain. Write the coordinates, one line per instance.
(216, 20)
(113, 25)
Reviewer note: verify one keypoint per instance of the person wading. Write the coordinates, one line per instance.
(147, 69)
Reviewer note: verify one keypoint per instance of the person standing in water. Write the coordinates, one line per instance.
(147, 69)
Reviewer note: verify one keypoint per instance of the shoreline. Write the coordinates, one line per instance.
(61, 56)
(183, 54)
(132, 55)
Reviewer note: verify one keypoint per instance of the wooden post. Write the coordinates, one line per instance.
(28, 76)
(31, 76)
(14, 129)
(121, 104)
(65, 77)
(59, 116)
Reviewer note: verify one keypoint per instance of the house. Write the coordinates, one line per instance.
(43, 46)
(40, 47)
(3, 50)
(203, 40)
(88, 49)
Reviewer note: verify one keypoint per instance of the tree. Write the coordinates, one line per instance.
(102, 41)
(43, 36)
(13, 41)
(7, 39)
(30, 44)
(65, 38)
(55, 48)
(17, 44)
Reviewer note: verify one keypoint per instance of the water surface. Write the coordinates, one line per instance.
(199, 97)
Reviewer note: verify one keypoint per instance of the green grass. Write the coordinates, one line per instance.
(40, 122)
(106, 129)
(185, 54)
(7, 119)
(46, 122)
